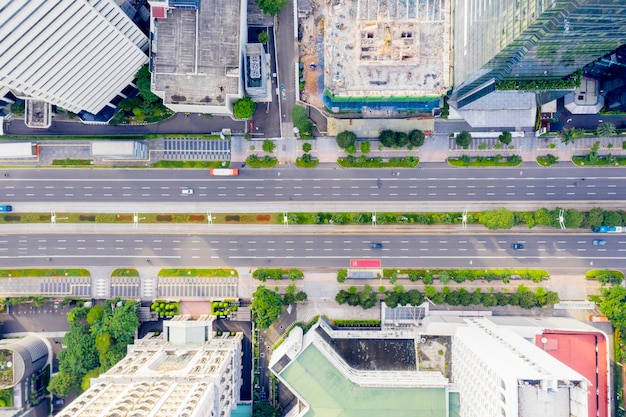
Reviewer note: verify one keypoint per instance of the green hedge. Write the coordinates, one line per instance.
(355, 323)
(377, 162)
(262, 274)
(605, 276)
(253, 161)
(462, 275)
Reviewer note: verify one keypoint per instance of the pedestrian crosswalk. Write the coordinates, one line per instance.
(196, 149)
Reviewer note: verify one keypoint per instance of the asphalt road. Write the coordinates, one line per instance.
(565, 252)
(432, 183)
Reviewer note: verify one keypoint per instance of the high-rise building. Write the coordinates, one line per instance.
(499, 373)
(512, 42)
(186, 371)
(75, 54)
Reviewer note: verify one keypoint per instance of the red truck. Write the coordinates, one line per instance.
(224, 172)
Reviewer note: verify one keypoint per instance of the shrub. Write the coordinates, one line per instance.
(505, 137)
(306, 147)
(365, 147)
(268, 146)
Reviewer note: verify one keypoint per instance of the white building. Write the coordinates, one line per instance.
(184, 372)
(499, 373)
(196, 53)
(76, 54)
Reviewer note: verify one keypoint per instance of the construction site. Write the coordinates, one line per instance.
(387, 48)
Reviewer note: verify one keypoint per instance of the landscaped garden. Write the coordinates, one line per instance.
(222, 309)
(6, 367)
(262, 274)
(166, 309)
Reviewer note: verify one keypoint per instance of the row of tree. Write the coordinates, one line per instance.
(96, 340)
(398, 296)
(388, 138)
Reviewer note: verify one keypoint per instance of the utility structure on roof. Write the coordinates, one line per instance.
(75, 54)
(196, 54)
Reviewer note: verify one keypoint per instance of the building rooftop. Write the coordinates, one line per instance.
(387, 48)
(197, 54)
(76, 54)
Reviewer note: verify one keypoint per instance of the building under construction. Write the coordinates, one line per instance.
(377, 49)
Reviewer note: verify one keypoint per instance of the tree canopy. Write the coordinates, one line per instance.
(96, 340)
(271, 7)
(244, 108)
(387, 138)
(613, 305)
(606, 129)
(416, 137)
(144, 80)
(505, 137)
(463, 139)
(497, 219)
(267, 306)
(345, 139)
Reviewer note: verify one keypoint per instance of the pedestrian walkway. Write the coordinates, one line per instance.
(196, 149)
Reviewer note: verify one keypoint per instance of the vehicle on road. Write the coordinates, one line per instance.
(599, 242)
(376, 245)
(517, 246)
(187, 191)
(365, 263)
(224, 172)
(5, 208)
(608, 229)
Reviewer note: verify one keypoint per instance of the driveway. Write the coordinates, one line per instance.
(26, 317)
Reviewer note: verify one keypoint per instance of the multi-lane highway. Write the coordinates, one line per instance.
(574, 252)
(292, 186)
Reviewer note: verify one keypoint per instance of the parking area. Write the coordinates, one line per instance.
(197, 287)
(46, 287)
(196, 149)
(27, 317)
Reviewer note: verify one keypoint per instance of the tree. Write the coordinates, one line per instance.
(301, 296)
(265, 409)
(497, 219)
(606, 129)
(144, 80)
(345, 139)
(271, 7)
(570, 135)
(401, 139)
(365, 147)
(268, 146)
(62, 384)
(573, 218)
(244, 108)
(505, 137)
(264, 37)
(613, 305)
(544, 217)
(95, 313)
(267, 306)
(463, 139)
(290, 295)
(594, 218)
(387, 138)
(123, 323)
(306, 147)
(612, 218)
(416, 138)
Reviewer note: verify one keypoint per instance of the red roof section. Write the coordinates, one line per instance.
(158, 12)
(584, 352)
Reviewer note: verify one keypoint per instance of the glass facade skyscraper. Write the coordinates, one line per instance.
(525, 40)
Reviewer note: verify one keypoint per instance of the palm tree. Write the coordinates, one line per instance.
(570, 135)
(606, 129)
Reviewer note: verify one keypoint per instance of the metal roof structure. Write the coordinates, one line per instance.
(76, 54)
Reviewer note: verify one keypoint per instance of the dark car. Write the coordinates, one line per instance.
(599, 242)
(517, 246)
(376, 245)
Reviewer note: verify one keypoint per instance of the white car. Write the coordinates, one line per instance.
(187, 191)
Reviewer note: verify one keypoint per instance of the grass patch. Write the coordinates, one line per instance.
(262, 274)
(31, 272)
(486, 161)
(307, 164)
(125, 272)
(254, 161)
(377, 162)
(605, 276)
(221, 272)
(600, 161)
(355, 323)
(546, 161)
(72, 162)
(6, 397)
(191, 164)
